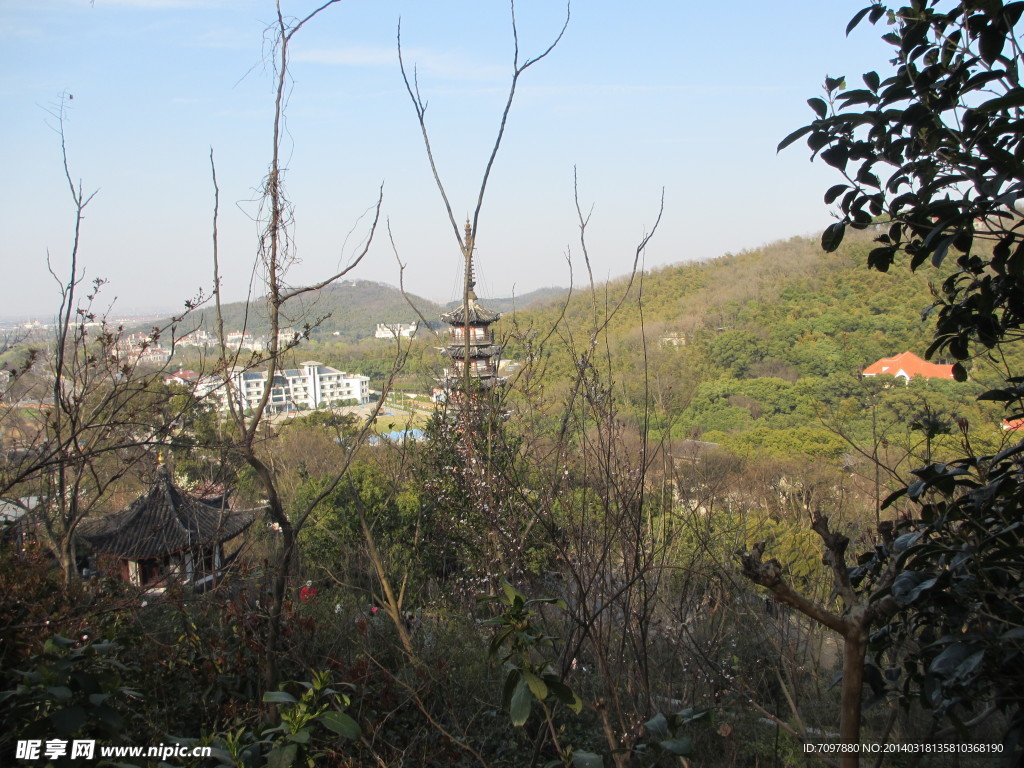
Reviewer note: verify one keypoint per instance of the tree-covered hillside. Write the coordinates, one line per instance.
(762, 351)
(786, 309)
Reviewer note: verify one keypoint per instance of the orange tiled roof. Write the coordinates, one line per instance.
(183, 375)
(908, 365)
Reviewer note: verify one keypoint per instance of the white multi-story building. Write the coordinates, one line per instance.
(395, 330)
(313, 385)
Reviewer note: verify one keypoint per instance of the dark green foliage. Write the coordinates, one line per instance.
(932, 150)
(737, 351)
(332, 545)
(669, 734)
(199, 449)
(472, 491)
(524, 650)
(73, 689)
(964, 562)
(310, 722)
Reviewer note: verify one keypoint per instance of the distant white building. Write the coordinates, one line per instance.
(396, 330)
(313, 385)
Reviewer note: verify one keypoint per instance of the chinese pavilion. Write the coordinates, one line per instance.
(167, 534)
(472, 354)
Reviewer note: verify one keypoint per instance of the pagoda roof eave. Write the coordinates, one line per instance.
(459, 352)
(485, 382)
(476, 315)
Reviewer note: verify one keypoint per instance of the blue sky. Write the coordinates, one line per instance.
(686, 96)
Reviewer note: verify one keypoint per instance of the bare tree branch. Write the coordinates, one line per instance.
(413, 89)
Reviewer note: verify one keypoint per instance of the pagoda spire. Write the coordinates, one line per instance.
(470, 292)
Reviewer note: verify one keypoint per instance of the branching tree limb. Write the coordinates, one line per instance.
(274, 254)
(860, 613)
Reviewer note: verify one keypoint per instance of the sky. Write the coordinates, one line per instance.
(674, 98)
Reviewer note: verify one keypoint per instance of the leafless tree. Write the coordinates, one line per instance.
(96, 409)
(275, 256)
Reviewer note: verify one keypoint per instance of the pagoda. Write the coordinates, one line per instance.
(168, 535)
(471, 352)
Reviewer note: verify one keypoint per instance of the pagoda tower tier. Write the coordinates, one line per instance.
(471, 352)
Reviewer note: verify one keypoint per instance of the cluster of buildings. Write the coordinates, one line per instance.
(237, 340)
(144, 347)
(141, 348)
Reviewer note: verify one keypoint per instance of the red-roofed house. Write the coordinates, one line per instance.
(184, 377)
(907, 365)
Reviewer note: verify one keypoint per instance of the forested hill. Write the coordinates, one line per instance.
(351, 309)
(752, 350)
(785, 309)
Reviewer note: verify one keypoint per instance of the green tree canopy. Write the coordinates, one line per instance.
(930, 153)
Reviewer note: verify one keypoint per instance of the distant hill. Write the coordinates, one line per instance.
(351, 309)
(516, 303)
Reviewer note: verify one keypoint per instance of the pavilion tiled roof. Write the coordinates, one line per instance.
(163, 521)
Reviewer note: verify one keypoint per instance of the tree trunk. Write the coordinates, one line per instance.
(854, 649)
(67, 557)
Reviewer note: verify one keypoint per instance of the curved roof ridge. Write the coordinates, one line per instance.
(165, 520)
